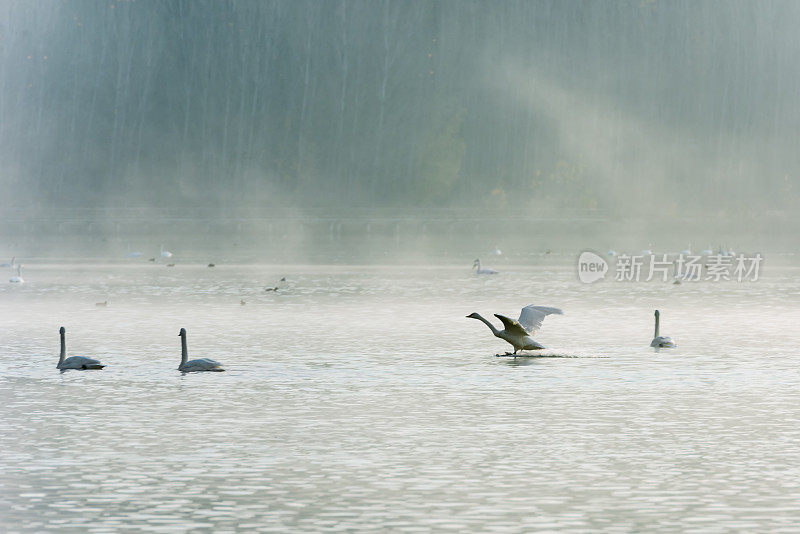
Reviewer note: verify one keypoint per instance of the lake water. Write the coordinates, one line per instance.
(361, 398)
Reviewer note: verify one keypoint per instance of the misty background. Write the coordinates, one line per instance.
(264, 119)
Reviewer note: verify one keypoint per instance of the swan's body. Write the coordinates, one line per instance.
(497, 251)
(707, 252)
(165, 253)
(477, 265)
(74, 362)
(662, 342)
(687, 251)
(200, 364)
(17, 278)
(611, 253)
(519, 333)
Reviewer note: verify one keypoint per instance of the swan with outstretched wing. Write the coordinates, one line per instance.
(519, 333)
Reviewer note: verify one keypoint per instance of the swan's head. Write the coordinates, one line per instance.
(473, 316)
(476, 263)
(61, 330)
(657, 314)
(182, 332)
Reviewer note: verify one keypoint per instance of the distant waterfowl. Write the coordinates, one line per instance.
(270, 288)
(242, 302)
(611, 253)
(8, 264)
(170, 265)
(477, 265)
(518, 333)
(687, 276)
(283, 279)
(210, 265)
(201, 364)
(648, 251)
(102, 304)
(152, 260)
(74, 362)
(497, 251)
(687, 251)
(165, 253)
(707, 252)
(17, 278)
(663, 342)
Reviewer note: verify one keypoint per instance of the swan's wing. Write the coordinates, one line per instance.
(662, 341)
(201, 364)
(532, 316)
(512, 326)
(209, 362)
(81, 360)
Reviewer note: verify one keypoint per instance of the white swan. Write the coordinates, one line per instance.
(165, 253)
(687, 251)
(74, 362)
(648, 251)
(611, 252)
(17, 278)
(663, 342)
(201, 364)
(707, 252)
(519, 332)
(9, 264)
(477, 264)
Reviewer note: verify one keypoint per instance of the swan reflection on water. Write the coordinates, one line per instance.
(545, 354)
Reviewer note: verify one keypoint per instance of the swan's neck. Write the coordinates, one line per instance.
(494, 330)
(184, 351)
(478, 264)
(63, 350)
(655, 334)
